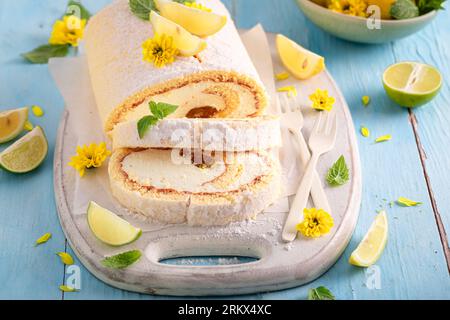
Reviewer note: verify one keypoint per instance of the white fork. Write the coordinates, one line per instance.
(292, 119)
(322, 140)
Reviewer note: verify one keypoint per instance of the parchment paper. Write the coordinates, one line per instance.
(72, 78)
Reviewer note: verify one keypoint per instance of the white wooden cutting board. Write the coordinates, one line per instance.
(278, 266)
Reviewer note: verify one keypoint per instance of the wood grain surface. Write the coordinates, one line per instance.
(414, 164)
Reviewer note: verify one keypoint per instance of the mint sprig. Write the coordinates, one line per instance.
(142, 8)
(159, 111)
(404, 9)
(426, 6)
(122, 260)
(338, 174)
(320, 293)
(43, 53)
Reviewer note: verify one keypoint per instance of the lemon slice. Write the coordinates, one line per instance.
(12, 123)
(196, 21)
(372, 246)
(186, 43)
(302, 63)
(110, 228)
(412, 84)
(26, 154)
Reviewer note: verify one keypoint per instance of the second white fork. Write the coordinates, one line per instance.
(292, 119)
(322, 140)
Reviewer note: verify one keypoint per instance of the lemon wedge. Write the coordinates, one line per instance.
(12, 123)
(26, 154)
(110, 228)
(198, 22)
(372, 246)
(302, 63)
(186, 43)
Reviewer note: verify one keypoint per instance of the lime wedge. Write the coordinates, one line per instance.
(12, 123)
(412, 84)
(26, 154)
(110, 228)
(372, 246)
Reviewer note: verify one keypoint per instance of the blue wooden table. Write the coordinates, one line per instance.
(415, 164)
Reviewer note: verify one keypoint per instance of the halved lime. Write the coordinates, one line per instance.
(12, 123)
(412, 84)
(110, 228)
(26, 154)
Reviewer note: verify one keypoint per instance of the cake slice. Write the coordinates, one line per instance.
(171, 186)
(248, 134)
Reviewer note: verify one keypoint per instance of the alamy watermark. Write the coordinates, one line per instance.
(374, 17)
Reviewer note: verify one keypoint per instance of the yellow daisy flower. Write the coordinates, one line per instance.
(351, 7)
(68, 31)
(88, 157)
(160, 50)
(321, 100)
(197, 6)
(316, 223)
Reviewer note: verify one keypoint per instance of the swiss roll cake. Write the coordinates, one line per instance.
(171, 187)
(219, 82)
(191, 141)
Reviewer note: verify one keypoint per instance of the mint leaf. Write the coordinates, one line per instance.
(320, 293)
(43, 53)
(338, 174)
(404, 9)
(77, 9)
(122, 260)
(161, 110)
(426, 6)
(142, 8)
(145, 123)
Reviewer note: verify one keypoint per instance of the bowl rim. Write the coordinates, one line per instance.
(425, 16)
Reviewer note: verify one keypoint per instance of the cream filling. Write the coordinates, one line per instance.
(192, 96)
(164, 169)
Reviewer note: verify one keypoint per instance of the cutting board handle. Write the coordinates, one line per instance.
(207, 246)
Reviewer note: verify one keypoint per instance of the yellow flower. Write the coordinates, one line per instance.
(197, 6)
(350, 7)
(88, 157)
(316, 223)
(321, 100)
(160, 50)
(68, 31)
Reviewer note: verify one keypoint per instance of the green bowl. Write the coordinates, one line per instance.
(356, 28)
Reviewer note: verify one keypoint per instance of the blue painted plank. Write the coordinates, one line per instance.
(413, 265)
(27, 208)
(434, 118)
